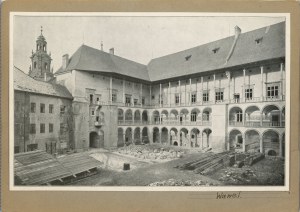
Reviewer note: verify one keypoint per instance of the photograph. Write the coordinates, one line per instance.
(149, 101)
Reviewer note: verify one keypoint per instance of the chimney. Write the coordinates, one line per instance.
(112, 51)
(237, 31)
(65, 61)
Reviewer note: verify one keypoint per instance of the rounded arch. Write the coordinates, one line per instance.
(145, 116)
(184, 139)
(137, 136)
(252, 116)
(252, 140)
(235, 139)
(128, 115)
(206, 113)
(137, 116)
(34, 65)
(283, 117)
(128, 135)
(155, 117)
(270, 139)
(173, 136)
(164, 135)
(271, 116)
(145, 135)
(156, 135)
(96, 139)
(120, 137)
(195, 140)
(194, 114)
(235, 116)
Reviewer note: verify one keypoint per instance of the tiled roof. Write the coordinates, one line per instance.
(191, 61)
(23, 82)
(203, 59)
(89, 59)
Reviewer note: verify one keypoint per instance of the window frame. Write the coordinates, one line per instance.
(51, 108)
(32, 128)
(42, 128)
(32, 107)
(42, 108)
(51, 127)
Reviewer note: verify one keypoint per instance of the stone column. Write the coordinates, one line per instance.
(124, 139)
(190, 96)
(202, 140)
(261, 144)
(133, 117)
(168, 142)
(141, 94)
(214, 90)
(141, 135)
(132, 136)
(201, 97)
(262, 83)
(160, 132)
(132, 94)
(244, 142)
(261, 119)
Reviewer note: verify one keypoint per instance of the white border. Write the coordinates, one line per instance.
(12, 187)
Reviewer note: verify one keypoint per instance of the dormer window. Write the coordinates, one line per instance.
(188, 57)
(215, 50)
(258, 40)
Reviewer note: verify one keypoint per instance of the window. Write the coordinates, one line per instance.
(143, 100)
(92, 112)
(215, 50)
(19, 129)
(153, 97)
(114, 97)
(34, 64)
(177, 100)
(248, 93)
(50, 128)
(128, 99)
(42, 108)
(91, 98)
(219, 96)
(236, 97)
(161, 99)
(136, 101)
(193, 116)
(32, 107)
(258, 40)
(62, 109)
(32, 129)
(51, 107)
(42, 128)
(239, 116)
(97, 118)
(193, 98)
(205, 96)
(46, 66)
(188, 57)
(272, 91)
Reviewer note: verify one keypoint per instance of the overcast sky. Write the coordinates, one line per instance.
(136, 38)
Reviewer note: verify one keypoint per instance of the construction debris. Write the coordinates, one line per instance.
(173, 182)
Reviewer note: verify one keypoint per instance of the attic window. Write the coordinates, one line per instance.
(188, 57)
(258, 40)
(215, 50)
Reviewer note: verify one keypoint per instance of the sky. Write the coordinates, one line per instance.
(137, 38)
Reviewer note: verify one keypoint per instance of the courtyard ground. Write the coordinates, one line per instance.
(156, 171)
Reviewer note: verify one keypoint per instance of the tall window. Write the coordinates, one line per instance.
(143, 100)
(193, 98)
(32, 129)
(91, 98)
(32, 107)
(114, 97)
(273, 91)
(61, 128)
(193, 116)
(205, 96)
(50, 128)
(161, 99)
(239, 116)
(248, 93)
(62, 109)
(219, 96)
(42, 128)
(177, 100)
(128, 99)
(51, 107)
(42, 108)
(135, 101)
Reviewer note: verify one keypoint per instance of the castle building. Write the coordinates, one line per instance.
(227, 94)
(42, 109)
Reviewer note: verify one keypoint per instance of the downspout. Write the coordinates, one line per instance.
(236, 36)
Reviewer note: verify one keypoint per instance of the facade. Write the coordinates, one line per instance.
(42, 114)
(227, 94)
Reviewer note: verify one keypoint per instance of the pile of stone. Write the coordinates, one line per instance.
(150, 153)
(173, 182)
(238, 176)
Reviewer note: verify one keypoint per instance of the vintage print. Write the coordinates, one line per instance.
(149, 101)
